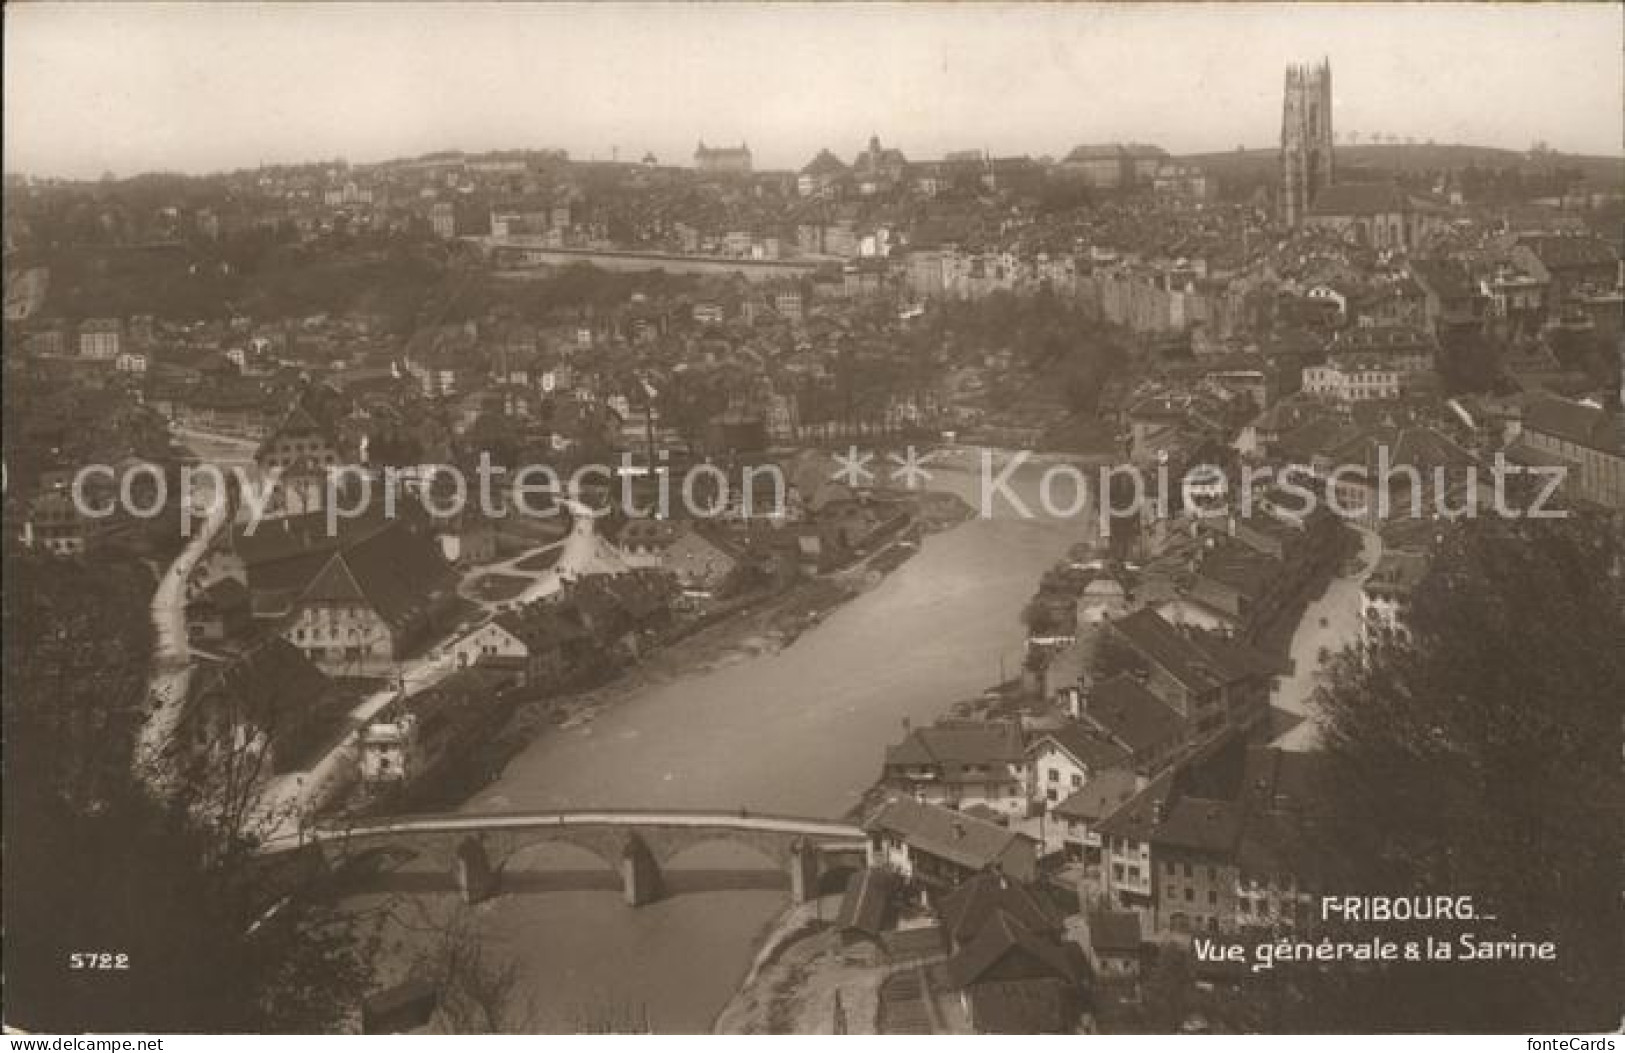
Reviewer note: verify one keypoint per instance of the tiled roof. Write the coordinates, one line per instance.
(1396, 573)
(1114, 930)
(1358, 199)
(398, 572)
(968, 908)
(1197, 662)
(1558, 251)
(1576, 422)
(943, 832)
(1000, 937)
(1022, 1007)
(1100, 796)
(957, 743)
(1200, 824)
(1084, 746)
(1133, 716)
(1446, 279)
(866, 904)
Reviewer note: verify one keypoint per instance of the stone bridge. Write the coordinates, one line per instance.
(478, 850)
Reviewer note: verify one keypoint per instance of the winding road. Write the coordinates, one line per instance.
(171, 675)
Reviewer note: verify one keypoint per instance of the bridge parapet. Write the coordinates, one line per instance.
(638, 845)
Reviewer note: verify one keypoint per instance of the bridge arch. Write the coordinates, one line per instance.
(478, 849)
(693, 854)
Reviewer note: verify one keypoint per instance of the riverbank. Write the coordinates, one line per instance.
(759, 627)
(801, 982)
(794, 728)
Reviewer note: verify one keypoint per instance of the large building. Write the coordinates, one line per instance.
(722, 159)
(1306, 139)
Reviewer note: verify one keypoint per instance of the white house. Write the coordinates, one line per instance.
(1063, 761)
(388, 749)
(487, 641)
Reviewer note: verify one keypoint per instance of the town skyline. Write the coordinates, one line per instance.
(669, 77)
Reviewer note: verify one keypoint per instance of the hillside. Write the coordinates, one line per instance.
(1249, 165)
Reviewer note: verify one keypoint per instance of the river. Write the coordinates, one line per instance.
(800, 732)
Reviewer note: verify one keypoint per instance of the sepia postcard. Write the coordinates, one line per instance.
(911, 519)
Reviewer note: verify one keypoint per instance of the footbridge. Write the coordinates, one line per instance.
(478, 850)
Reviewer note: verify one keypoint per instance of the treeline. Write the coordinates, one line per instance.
(96, 866)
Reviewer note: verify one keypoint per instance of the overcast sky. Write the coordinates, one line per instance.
(132, 87)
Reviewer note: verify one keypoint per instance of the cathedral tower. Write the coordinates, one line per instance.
(1306, 139)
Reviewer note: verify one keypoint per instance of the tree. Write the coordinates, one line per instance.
(217, 937)
(1479, 754)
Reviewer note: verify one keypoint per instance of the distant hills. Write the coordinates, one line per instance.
(1249, 165)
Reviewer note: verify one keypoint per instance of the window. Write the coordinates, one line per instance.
(1117, 871)
(1077, 780)
(1190, 895)
(1054, 775)
(1212, 898)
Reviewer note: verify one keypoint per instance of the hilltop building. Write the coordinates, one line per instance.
(722, 160)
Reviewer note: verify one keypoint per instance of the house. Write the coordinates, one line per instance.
(878, 168)
(299, 441)
(1128, 715)
(443, 219)
(1115, 949)
(266, 708)
(414, 733)
(1385, 595)
(372, 601)
(552, 639)
(220, 612)
(1390, 471)
(101, 339)
(962, 764)
(1014, 981)
(1350, 378)
(1125, 849)
(1194, 842)
(1063, 761)
(1079, 815)
(643, 541)
(1587, 442)
(974, 905)
(722, 160)
(936, 848)
(1104, 598)
(869, 905)
(390, 748)
(1451, 302)
(1212, 845)
(1208, 681)
(703, 558)
(54, 524)
(299, 454)
(1111, 166)
(1574, 264)
(820, 177)
(492, 642)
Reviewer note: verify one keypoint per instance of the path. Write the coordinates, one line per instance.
(1328, 623)
(171, 675)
